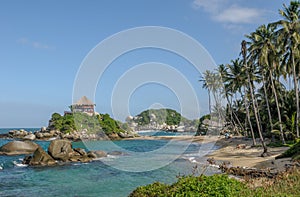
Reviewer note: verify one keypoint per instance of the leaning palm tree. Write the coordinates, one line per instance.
(254, 103)
(263, 52)
(228, 92)
(289, 40)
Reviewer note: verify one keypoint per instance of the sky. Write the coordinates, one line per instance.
(44, 46)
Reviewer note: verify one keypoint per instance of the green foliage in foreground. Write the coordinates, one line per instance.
(79, 121)
(216, 185)
(286, 184)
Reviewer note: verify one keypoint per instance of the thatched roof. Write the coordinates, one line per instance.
(84, 101)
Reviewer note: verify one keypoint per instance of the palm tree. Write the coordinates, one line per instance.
(288, 40)
(236, 81)
(223, 71)
(254, 103)
(207, 84)
(263, 52)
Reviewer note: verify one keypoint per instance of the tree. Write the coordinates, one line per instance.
(263, 53)
(244, 54)
(288, 41)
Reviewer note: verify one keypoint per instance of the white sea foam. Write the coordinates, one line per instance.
(19, 164)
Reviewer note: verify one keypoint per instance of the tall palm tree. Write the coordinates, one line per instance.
(227, 91)
(289, 40)
(263, 52)
(254, 103)
(236, 82)
(207, 83)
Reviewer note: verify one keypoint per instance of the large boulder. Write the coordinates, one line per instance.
(61, 150)
(41, 158)
(29, 137)
(18, 148)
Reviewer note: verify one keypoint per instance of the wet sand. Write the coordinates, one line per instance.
(228, 151)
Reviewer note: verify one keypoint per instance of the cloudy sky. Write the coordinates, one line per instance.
(44, 43)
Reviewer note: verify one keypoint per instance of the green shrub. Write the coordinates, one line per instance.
(293, 152)
(216, 185)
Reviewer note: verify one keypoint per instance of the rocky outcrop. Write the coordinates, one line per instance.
(40, 158)
(50, 134)
(61, 150)
(18, 148)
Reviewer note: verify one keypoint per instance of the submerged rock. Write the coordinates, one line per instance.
(96, 154)
(18, 148)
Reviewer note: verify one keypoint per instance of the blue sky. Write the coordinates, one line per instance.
(43, 44)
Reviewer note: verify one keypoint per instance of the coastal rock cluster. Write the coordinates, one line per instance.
(48, 134)
(59, 151)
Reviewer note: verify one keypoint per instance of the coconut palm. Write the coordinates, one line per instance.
(228, 92)
(237, 82)
(288, 40)
(262, 52)
(254, 103)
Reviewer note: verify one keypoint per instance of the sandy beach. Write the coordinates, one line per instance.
(244, 157)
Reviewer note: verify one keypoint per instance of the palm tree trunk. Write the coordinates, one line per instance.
(267, 102)
(297, 96)
(249, 119)
(278, 109)
(231, 115)
(256, 112)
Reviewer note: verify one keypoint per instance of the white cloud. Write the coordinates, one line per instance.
(236, 14)
(211, 6)
(222, 11)
(34, 44)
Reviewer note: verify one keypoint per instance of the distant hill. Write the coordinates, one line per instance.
(161, 119)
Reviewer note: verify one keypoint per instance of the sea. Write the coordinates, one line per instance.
(129, 164)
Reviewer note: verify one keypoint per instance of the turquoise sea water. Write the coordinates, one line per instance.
(100, 178)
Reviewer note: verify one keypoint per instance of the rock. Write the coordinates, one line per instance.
(211, 161)
(92, 155)
(39, 135)
(114, 136)
(18, 148)
(29, 137)
(241, 146)
(43, 129)
(47, 135)
(60, 149)
(40, 157)
(125, 135)
(83, 159)
(96, 154)
(81, 151)
(117, 153)
(52, 132)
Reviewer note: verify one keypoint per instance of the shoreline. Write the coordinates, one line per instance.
(227, 151)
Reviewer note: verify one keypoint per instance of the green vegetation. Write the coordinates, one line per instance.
(168, 116)
(285, 184)
(80, 121)
(203, 128)
(259, 102)
(216, 185)
(293, 152)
